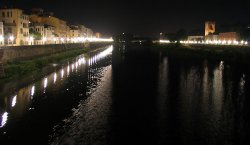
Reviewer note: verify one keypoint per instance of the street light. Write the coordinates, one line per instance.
(11, 38)
(54, 40)
(31, 39)
(1, 40)
(62, 40)
(44, 40)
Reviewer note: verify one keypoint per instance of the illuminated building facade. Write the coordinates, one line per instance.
(1, 34)
(209, 27)
(16, 26)
(233, 36)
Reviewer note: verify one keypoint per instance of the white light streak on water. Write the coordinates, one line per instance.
(68, 68)
(13, 103)
(32, 91)
(4, 119)
(45, 83)
(55, 77)
(62, 73)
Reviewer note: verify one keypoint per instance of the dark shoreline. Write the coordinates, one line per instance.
(231, 54)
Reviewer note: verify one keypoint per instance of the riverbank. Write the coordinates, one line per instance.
(16, 70)
(232, 54)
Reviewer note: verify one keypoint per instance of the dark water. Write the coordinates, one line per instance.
(141, 97)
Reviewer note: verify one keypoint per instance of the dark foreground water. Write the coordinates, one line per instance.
(140, 97)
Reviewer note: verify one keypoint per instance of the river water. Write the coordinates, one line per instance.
(138, 97)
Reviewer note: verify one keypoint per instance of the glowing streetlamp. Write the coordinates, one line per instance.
(44, 40)
(31, 39)
(55, 40)
(1, 40)
(62, 40)
(11, 39)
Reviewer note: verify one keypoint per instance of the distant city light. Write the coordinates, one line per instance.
(164, 41)
(215, 42)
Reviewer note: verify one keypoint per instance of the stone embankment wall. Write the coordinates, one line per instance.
(11, 53)
(15, 53)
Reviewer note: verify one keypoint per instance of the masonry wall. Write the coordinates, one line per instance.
(12, 53)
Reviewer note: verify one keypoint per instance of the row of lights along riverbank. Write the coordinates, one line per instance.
(214, 42)
(59, 40)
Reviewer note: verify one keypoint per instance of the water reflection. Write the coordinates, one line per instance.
(55, 77)
(4, 119)
(62, 73)
(32, 91)
(206, 101)
(21, 101)
(68, 69)
(242, 84)
(45, 83)
(163, 84)
(166, 100)
(13, 102)
(218, 90)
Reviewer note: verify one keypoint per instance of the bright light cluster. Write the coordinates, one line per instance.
(81, 39)
(217, 42)
(164, 41)
(46, 40)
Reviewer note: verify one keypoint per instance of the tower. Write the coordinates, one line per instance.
(209, 27)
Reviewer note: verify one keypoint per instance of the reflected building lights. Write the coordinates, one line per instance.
(76, 64)
(13, 103)
(55, 76)
(218, 90)
(242, 80)
(68, 68)
(97, 57)
(221, 65)
(45, 83)
(72, 67)
(4, 119)
(242, 83)
(62, 73)
(32, 92)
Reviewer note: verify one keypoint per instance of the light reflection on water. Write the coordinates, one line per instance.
(4, 119)
(218, 89)
(62, 73)
(210, 102)
(13, 102)
(203, 102)
(26, 94)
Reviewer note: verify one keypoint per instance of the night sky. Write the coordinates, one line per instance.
(142, 17)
